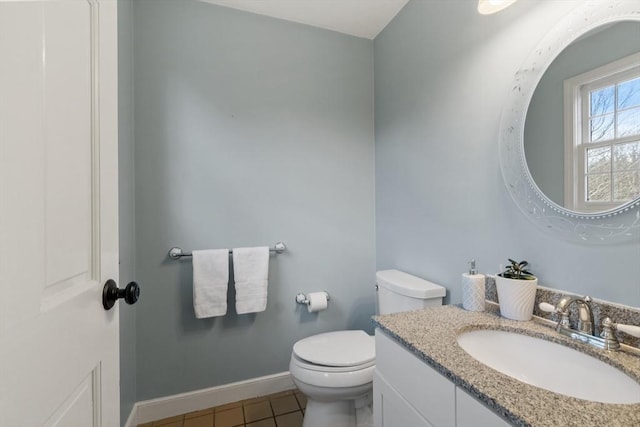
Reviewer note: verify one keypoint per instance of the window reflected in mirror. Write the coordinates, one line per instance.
(602, 136)
(582, 129)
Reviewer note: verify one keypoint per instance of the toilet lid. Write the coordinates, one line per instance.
(342, 348)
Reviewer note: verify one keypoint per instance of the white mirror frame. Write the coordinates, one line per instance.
(616, 225)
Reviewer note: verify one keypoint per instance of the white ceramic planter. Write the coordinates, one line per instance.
(516, 297)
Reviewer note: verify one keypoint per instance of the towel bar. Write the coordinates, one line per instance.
(177, 253)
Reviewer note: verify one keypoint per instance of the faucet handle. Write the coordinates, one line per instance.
(564, 314)
(610, 340)
(545, 306)
(628, 329)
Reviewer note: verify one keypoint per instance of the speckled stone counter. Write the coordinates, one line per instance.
(431, 335)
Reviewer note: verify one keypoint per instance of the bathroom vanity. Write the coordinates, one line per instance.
(408, 392)
(424, 378)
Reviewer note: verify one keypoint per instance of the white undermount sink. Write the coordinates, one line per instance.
(550, 366)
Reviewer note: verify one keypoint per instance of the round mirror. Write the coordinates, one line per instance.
(570, 135)
(582, 129)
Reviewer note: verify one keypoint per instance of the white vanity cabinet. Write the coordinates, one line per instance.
(409, 393)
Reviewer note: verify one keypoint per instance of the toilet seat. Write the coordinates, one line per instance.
(323, 368)
(330, 377)
(349, 349)
(334, 359)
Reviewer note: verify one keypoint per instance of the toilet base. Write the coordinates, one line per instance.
(364, 415)
(340, 413)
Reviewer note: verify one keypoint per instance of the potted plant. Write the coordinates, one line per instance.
(516, 288)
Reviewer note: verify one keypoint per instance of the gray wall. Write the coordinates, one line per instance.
(442, 75)
(249, 130)
(126, 207)
(544, 126)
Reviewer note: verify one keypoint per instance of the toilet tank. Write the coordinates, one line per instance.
(399, 291)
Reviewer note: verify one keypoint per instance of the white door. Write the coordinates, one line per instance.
(58, 213)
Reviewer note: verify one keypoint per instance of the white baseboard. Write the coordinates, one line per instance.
(169, 406)
(132, 420)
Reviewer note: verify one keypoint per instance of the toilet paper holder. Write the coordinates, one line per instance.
(302, 298)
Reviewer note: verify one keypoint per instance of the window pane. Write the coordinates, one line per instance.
(626, 185)
(602, 101)
(601, 128)
(599, 159)
(599, 188)
(629, 94)
(626, 156)
(629, 122)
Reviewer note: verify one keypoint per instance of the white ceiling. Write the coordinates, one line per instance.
(360, 18)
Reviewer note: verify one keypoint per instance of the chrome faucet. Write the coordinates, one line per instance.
(585, 314)
(586, 330)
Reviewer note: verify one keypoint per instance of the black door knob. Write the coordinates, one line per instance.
(111, 293)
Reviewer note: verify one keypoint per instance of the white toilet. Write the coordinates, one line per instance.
(335, 369)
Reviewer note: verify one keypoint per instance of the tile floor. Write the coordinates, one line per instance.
(284, 409)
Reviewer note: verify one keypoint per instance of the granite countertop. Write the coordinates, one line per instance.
(431, 335)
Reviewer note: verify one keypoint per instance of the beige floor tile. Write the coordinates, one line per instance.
(205, 421)
(282, 393)
(196, 414)
(302, 399)
(229, 418)
(257, 411)
(269, 422)
(293, 419)
(227, 406)
(169, 421)
(170, 424)
(284, 404)
(255, 400)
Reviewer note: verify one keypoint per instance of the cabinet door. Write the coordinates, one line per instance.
(471, 413)
(431, 394)
(390, 409)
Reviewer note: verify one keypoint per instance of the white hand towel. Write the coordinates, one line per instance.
(250, 272)
(210, 281)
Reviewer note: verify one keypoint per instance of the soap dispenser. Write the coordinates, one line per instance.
(473, 289)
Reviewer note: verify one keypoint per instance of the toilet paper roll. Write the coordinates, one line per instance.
(317, 301)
